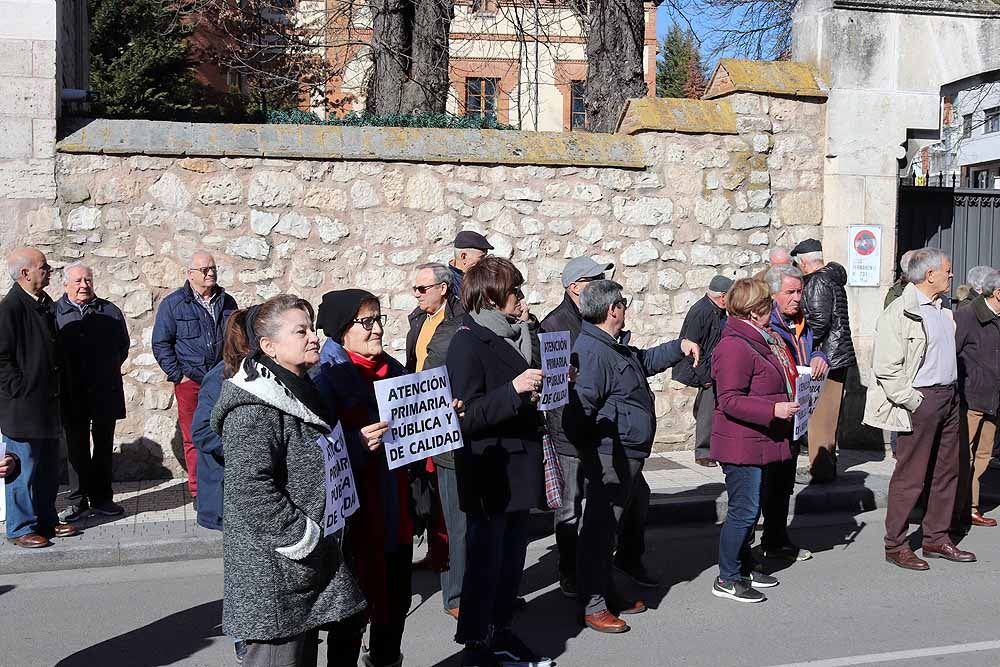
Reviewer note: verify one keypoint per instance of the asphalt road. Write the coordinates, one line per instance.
(845, 607)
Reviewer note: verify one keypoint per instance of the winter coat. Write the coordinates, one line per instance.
(900, 344)
(804, 349)
(824, 301)
(186, 340)
(894, 292)
(30, 367)
(500, 467)
(94, 347)
(702, 325)
(564, 317)
(211, 459)
(749, 381)
(611, 406)
(282, 576)
(978, 341)
(453, 311)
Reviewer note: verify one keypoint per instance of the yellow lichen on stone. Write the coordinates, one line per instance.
(761, 76)
(667, 114)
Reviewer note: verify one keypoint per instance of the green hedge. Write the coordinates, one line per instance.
(438, 120)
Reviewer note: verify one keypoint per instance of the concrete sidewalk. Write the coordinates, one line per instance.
(159, 524)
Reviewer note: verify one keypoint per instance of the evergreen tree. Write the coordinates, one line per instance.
(695, 83)
(672, 65)
(138, 60)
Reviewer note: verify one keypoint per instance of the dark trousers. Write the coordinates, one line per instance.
(89, 472)
(567, 517)
(777, 485)
(929, 452)
(343, 647)
(495, 548)
(704, 408)
(743, 486)
(386, 637)
(186, 394)
(617, 503)
(454, 520)
(31, 497)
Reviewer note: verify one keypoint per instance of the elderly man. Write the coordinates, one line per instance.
(29, 402)
(779, 256)
(94, 341)
(974, 281)
(788, 321)
(577, 274)
(913, 392)
(612, 420)
(978, 345)
(470, 247)
(187, 342)
(824, 301)
(703, 325)
(433, 322)
(897, 287)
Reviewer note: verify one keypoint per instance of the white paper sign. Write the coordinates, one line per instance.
(806, 395)
(555, 363)
(864, 255)
(341, 491)
(421, 421)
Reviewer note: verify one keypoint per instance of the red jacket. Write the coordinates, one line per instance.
(749, 380)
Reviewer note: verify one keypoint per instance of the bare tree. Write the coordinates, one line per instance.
(614, 60)
(758, 29)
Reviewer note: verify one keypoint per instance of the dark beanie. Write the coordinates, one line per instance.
(338, 310)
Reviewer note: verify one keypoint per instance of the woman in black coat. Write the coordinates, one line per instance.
(500, 473)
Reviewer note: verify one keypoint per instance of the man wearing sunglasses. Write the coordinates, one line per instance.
(187, 342)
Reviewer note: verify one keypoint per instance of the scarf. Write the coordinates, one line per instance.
(301, 388)
(512, 330)
(781, 351)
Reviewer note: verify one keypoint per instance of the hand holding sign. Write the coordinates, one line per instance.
(528, 381)
(373, 434)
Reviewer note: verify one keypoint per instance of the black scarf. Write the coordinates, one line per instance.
(301, 388)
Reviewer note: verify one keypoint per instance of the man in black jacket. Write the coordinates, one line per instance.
(824, 300)
(29, 401)
(703, 325)
(566, 317)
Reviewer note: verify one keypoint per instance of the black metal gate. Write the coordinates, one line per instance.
(964, 222)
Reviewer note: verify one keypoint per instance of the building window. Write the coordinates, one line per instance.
(481, 97)
(967, 125)
(981, 178)
(577, 109)
(992, 120)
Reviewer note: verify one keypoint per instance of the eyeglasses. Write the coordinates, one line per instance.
(422, 289)
(590, 279)
(623, 302)
(204, 270)
(369, 322)
(518, 293)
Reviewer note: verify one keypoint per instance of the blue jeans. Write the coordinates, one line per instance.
(31, 497)
(454, 521)
(743, 487)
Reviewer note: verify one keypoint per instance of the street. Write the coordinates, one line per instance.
(844, 607)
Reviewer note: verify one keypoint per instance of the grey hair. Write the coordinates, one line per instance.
(904, 261)
(715, 294)
(977, 275)
(596, 298)
(812, 256)
(922, 261)
(202, 252)
(74, 265)
(442, 274)
(991, 283)
(780, 251)
(17, 262)
(776, 274)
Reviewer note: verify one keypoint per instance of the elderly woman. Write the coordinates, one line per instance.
(500, 474)
(284, 580)
(754, 377)
(352, 359)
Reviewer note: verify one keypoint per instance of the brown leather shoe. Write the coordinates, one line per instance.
(949, 552)
(636, 607)
(65, 530)
(978, 519)
(906, 559)
(31, 541)
(452, 612)
(708, 463)
(605, 621)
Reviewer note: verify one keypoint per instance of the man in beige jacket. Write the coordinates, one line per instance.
(913, 392)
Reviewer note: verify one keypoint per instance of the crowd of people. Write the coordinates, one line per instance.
(256, 390)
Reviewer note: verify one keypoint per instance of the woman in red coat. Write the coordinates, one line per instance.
(755, 384)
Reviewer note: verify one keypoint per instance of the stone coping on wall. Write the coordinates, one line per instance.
(667, 114)
(985, 8)
(485, 147)
(784, 78)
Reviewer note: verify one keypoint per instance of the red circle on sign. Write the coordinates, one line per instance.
(864, 242)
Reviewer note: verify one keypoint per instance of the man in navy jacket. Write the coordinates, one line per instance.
(187, 342)
(611, 418)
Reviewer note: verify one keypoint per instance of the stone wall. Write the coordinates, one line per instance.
(703, 204)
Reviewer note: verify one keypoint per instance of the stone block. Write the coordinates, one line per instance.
(326, 198)
(363, 195)
(331, 230)
(640, 253)
(800, 208)
(83, 218)
(43, 59)
(15, 137)
(706, 255)
(712, 212)
(249, 247)
(27, 179)
(423, 192)
(276, 188)
(648, 211)
(15, 57)
(670, 279)
(293, 224)
(225, 189)
(170, 192)
(749, 220)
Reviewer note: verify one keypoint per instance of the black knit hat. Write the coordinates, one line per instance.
(807, 246)
(338, 310)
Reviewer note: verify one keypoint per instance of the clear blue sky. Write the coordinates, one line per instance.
(702, 25)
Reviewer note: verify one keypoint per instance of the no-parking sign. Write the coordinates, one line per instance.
(864, 255)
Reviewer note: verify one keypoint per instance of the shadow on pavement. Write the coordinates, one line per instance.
(162, 642)
(7, 588)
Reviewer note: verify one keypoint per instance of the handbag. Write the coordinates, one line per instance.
(553, 474)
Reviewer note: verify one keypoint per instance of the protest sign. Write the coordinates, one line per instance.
(421, 421)
(341, 491)
(806, 395)
(555, 364)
